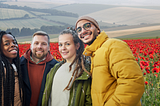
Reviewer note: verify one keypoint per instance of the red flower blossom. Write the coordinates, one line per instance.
(146, 82)
(155, 70)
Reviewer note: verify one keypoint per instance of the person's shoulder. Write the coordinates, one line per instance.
(113, 41)
(53, 61)
(22, 59)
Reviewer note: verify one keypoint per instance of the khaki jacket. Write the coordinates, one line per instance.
(80, 93)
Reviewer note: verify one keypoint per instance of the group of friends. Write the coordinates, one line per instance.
(104, 73)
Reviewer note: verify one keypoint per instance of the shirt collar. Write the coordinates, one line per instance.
(38, 61)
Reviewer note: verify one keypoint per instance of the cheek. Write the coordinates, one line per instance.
(4, 50)
(73, 49)
(48, 48)
(59, 48)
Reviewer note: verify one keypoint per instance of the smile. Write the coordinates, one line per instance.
(85, 35)
(64, 53)
(13, 51)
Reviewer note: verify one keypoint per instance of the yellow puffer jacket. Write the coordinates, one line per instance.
(117, 79)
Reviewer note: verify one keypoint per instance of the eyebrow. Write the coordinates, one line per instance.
(7, 40)
(65, 42)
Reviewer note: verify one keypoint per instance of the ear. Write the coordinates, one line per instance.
(49, 48)
(30, 45)
(77, 46)
(98, 31)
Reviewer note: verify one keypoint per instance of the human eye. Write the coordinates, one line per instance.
(36, 43)
(59, 45)
(6, 43)
(44, 43)
(67, 44)
(78, 29)
(14, 42)
(87, 25)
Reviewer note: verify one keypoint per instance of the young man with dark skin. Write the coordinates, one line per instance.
(35, 64)
(117, 79)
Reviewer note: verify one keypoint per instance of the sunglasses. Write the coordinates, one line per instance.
(86, 26)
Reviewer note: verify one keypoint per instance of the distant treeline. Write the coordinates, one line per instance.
(53, 12)
(28, 31)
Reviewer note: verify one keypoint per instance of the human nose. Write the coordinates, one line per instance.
(39, 45)
(63, 47)
(13, 44)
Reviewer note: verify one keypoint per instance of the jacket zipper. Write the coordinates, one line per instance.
(74, 94)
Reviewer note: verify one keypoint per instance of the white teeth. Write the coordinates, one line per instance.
(13, 50)
(86, 36)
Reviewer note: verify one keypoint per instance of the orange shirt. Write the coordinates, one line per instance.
(35, 73)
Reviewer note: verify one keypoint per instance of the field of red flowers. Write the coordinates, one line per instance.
(147, 54)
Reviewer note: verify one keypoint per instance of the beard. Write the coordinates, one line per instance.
(38, 56)
(93, 39)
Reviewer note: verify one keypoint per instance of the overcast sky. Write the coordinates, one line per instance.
(112, 2)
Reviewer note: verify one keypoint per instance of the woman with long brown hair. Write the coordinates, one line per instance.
(68, 83)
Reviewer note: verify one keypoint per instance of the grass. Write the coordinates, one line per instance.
(64, 19)
(144, 35)
(40, 13)
(13, 13)
(27, 23)
(29, 38)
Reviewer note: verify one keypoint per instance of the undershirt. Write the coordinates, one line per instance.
(60, 81)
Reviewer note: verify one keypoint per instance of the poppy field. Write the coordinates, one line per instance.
(147, 54)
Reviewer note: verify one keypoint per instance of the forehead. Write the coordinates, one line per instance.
(7, 37)
(81, 22)
(65, 38)
(40, 38)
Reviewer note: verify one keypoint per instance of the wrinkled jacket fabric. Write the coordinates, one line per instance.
(26, 82)
(80, 94)
(117, 79)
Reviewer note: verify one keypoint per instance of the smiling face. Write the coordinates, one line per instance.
(89, 35)
(9, 47)
(39, 47)
(67, 48)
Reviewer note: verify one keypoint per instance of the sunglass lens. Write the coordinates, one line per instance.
(78, 29)
(86, 26)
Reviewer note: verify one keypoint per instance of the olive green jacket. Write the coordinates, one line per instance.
(80, 93)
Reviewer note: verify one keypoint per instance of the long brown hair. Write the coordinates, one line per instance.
(79, 60)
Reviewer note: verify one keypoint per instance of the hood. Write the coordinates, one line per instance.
(27, 54)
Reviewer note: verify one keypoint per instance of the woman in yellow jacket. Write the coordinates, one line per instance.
(117, 79)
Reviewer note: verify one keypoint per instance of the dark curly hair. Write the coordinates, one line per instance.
(7, 78)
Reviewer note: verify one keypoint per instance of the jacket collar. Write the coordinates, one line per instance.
(84, 76)
(101, 38)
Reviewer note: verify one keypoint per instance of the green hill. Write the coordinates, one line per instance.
(27, 23)
(110, 17)
(6, 13)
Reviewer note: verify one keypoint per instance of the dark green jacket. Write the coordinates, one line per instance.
(80, 93)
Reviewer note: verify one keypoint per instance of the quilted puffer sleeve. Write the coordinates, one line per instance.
(130, 81)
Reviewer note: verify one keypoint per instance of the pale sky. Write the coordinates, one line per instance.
(109, 2)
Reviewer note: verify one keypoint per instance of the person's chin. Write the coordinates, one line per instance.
(87, 41)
